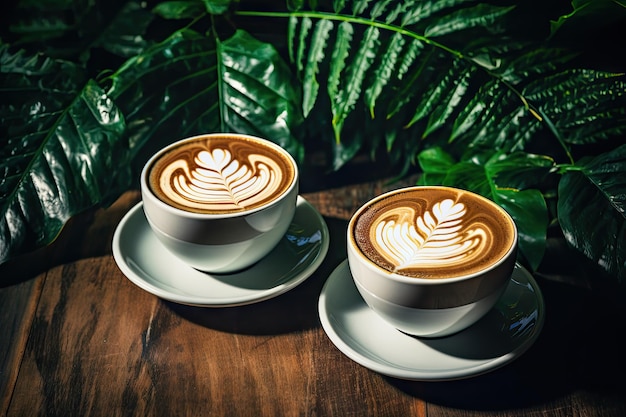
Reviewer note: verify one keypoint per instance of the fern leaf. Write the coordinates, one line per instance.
(305, 27)
(448, 103)
(378, 9)
(526, 62)
(586, 105)
(291, 37)
(417, 11)
(339, 5)
(359, 6)
(345, 31)
(436, 91)
(410, 87)
(480, 15)
(385, 70)
(347, 97)
(411, 53)
(471, 115)
(316, 55)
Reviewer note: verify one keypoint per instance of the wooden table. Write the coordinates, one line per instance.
(79, 339)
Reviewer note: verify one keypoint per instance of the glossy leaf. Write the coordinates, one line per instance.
(191, 84)
(350, 91)
(592, 210)
(216, 6)
(528, 209)
(62, 152)
(179, 9)
(71, 30)
(316, 55)
(483, 15)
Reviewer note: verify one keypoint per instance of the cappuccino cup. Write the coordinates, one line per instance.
(220, 202)
(431, 260)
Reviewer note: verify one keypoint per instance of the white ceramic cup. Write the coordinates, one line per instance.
(225, 200)
(431, 261)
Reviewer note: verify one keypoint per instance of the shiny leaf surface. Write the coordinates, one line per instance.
(592, 210)
(63, 151)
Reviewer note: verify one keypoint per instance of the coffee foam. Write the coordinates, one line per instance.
(433, 233)
(224, 174)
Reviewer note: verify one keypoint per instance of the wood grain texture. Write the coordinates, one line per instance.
(85, 341)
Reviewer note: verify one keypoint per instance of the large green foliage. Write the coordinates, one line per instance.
(484, 95)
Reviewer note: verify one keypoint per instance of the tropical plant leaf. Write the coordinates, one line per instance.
(479, 15)
(124, 35)
(588, 14)
(592, 210)
(529, 210)
(63, 149)
(70, 30)
(497, 95)
(179, 9)
(350, 90)
(191, 84)
(316, 54)
(405, 68)
(586, 106)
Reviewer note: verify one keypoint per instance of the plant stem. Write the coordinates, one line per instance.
(352, 19)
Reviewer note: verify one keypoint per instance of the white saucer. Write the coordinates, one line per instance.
(502, 335)
(147, 263)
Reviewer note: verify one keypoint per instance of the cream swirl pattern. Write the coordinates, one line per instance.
(217, 181)
(432, 232)
(221, 174)
(435, 239)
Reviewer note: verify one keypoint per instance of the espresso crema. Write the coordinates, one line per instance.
(433, 233)
(221, 174)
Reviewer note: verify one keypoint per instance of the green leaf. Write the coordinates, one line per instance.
(441, 90)
(484, 15)
(339, 56)
(316, 55)
(385, 70)
(588, 15)
(448, 102)
(191, 84)
(258, 93)
(592, 210)
(350, 91)
(587, 106)
(71, 30)
(528, 209)
(63, 150)
(124, 36)
(216, 7)
(179, 9)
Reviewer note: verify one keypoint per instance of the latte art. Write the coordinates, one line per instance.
(433, 233)
(436, 239)
(220, 176)
(217, 182)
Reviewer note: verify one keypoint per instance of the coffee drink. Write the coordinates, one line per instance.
(433, 232)
(220, 202)
(219, 174)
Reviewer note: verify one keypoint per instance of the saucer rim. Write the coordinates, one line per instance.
(233, 301)
(385, 366)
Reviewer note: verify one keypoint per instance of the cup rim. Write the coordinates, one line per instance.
(146, 191)
(366, 262)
